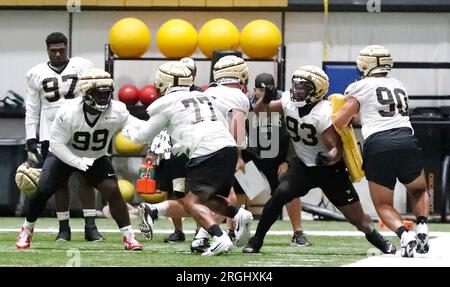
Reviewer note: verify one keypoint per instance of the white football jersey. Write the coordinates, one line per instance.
(71, 128)
(306, 129)
(227, 99)
(383, 104)
(47, 91)
(194, 122)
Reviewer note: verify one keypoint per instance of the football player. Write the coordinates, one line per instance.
(390, 149)
(271, 129)
(195, 123)
(231, 75)
(50, 85)
(319, 160)
(80, 136)
(170, 172)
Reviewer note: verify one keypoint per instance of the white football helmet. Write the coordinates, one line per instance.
(27, 178)
(374, 59)
(172, 74)
(189, 63)
(97, 88)
(309, 85)
(231, 69)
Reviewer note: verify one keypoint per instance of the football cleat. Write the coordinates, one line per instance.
(219, 245)
(64, 234)
(242, 220)
(389, 248)
(422, 239)
(24, 239)
(176, 237)
(129, 243)
(231, 234)
(299, 239)
(147, 215)
(408, 244)
(200, 245)
(91, 233)
(253, 246)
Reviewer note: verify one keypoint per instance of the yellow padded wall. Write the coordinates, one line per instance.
(192, 3)
(219, 3)
(138, 3)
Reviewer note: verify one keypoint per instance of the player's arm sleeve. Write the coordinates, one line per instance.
(323, 118)
(356, 90)
(60, 137)
(89, 65)
(134, 122)
(32, 107)
(150, 129)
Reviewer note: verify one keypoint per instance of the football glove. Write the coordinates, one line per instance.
(129, 132)
(270, 93)
(322, 159)
(83, 163)
(34, 153)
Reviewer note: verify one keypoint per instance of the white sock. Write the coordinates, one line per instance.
(89, 212)
(162, 208)
(127, 231)
(237, 214)
(28, 225)
(65, 215)
(202, 233)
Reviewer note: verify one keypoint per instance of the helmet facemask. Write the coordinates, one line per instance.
(99, 98)
(302, 91)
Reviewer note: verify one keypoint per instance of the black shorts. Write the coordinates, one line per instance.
(213, 174)
(392, 154)
(333, 180)
(268, 167)
(170, 170)
(55, 172)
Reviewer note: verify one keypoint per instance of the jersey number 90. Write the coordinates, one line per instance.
(393, 102)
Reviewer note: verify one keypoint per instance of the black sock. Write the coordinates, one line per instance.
(153, 213)
(231, 211)
(377, 240)
(400, 231)
(214, 230)
(89, 220)
(64, 224)
(421, 219)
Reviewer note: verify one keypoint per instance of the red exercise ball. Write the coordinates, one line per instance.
(147, 95)
(128, 94)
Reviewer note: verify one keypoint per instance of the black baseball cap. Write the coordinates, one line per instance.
(264, 78)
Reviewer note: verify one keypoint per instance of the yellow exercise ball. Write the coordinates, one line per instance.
(177, 38)
(154, 197)
(260, 39)
(218, 34)
(126, 189)
(129, 38)
(125, 146)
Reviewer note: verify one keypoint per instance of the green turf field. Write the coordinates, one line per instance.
(325, 250)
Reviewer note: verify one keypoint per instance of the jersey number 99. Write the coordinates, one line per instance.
(83, 140)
